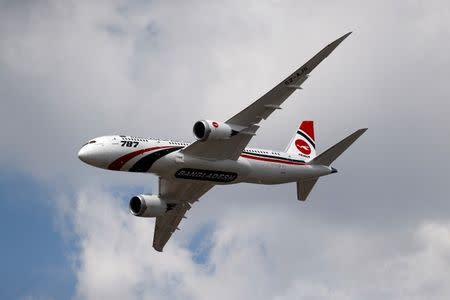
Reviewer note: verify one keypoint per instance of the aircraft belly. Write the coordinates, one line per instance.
(269, 173)
(178, 167)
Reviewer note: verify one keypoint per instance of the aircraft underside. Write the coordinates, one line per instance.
(229, 172)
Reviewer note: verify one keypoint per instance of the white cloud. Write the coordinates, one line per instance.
(261, 253)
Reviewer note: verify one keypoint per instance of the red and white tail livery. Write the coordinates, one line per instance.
(303, 143)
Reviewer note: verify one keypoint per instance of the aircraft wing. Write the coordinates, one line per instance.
(186, 193)
(247, 119)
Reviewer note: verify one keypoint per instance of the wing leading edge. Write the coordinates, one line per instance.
(166, 225)
(261, 109)
(183, 193)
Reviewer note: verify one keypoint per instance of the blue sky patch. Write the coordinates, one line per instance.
(32, 251)
(201, 244)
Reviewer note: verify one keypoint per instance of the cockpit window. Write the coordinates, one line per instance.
(90, 142)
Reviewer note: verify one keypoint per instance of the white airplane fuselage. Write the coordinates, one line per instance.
(164, 158)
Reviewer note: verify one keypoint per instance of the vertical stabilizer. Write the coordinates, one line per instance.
(303, 143)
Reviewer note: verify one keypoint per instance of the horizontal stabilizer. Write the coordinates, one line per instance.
(330, 155)
(304, 187)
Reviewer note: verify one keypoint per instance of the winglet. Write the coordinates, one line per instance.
(299, 76)
(339, 40)
(333, 45)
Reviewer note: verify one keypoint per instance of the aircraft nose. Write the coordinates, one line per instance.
(94, 154)
(83, 154)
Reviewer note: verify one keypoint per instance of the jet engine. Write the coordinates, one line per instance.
(148, 206)
(212, 130)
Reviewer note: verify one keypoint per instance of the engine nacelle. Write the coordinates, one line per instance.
(148, 206)
(212, 130)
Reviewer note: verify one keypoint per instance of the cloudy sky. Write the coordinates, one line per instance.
(72, 70)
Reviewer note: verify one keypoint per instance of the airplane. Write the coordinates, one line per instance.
(219, 156)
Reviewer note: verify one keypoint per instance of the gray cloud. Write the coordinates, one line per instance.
(76, 70)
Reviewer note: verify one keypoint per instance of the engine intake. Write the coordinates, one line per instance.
(212, 130)
(148, 206)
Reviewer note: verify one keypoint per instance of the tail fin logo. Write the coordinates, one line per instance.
(303, 147)
(302, 143)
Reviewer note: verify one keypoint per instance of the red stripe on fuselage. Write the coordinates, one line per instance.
(118, 163)
(272, 160)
